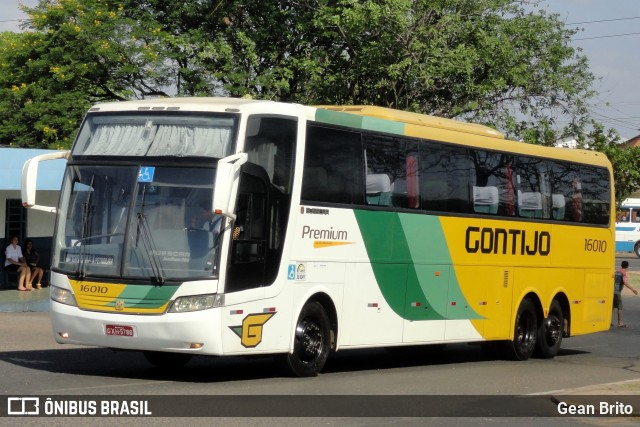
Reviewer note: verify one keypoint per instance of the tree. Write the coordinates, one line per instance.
(488, 61)
(37, 108)
(72, 54)
(625, 160)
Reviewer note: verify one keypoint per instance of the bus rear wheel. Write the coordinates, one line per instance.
(169, 361)
(636, 249)
(525, 332)
(550, 332)
(311, 342)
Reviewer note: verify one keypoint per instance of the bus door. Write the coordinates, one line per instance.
(249, 235)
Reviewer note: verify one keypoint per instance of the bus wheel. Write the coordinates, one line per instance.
(311, 342)
(163, 360)
(550, 332)
(525, 331)
(636, 249)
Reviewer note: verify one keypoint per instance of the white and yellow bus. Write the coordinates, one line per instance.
(217, 226)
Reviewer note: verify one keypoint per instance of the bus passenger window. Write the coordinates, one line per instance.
(445, 178)
(335, 156)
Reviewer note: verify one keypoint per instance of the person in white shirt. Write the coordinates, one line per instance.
(14, 261)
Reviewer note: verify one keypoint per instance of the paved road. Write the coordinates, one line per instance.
(634, 261)
(599, 364)
(31, 363)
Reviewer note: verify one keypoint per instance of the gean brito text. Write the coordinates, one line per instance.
(507, 241)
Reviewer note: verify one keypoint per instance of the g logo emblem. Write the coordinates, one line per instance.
(250, 332)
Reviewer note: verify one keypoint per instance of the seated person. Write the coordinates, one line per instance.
(32, 257)
(14, 261)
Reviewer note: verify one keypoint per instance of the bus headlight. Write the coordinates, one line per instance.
(196, 303)
(63, 296)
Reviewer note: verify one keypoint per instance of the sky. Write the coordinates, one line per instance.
(609, 37)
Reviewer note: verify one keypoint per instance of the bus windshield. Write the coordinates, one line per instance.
(137, 222)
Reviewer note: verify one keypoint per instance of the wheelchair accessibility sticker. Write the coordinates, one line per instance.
(296, 272)
(146, 173)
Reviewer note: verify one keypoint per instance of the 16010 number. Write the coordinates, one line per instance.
(594, 245)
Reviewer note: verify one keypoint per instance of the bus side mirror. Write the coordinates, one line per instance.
(227, 175)
(30, 179)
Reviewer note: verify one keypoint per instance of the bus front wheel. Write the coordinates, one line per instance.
(550, 332)
(525, 332)
(311, 342)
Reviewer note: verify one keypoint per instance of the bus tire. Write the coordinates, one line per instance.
(550, 332)
(312, 342)
(164, 360)
(525, 332)
(636, 249)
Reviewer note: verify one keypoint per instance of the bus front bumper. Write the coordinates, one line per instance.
(195, 332)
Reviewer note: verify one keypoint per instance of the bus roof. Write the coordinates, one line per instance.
(176, 103)
(413, 124)
(457, 132)
(415, 118)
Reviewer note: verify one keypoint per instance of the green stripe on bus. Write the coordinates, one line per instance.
(146, 297)
(412, 265)
(360, 122)
(379, 125)
(338, 118)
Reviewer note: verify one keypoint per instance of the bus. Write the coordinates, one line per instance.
(628, 227)
(235, 227)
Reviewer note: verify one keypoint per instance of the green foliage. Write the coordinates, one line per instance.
(625, 160)
(487, 61)
(36, 107)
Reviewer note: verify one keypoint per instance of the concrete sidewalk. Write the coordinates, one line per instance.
(12, 300)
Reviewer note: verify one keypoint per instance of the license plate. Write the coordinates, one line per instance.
(119, 330)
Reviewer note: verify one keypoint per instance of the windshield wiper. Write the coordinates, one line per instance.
(147, 241)
(86, 215)
(150, 247)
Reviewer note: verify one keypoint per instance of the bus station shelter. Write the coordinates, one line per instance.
(24, 223)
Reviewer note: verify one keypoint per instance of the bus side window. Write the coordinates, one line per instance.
(445, 178)
(622, 216)
(391, 170)
(595, 195)
(271, 144)
(335, 157)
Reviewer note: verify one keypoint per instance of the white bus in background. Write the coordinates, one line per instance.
(628, 227)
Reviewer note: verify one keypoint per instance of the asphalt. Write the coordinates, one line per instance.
(37, 300)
